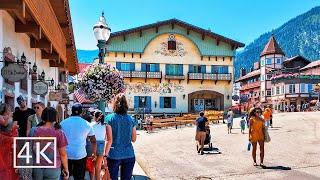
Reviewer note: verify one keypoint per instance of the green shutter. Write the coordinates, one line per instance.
(190, 68)
(161, 102)
(173, 102)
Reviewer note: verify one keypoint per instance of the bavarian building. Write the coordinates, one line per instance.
(36, 38)
(174, 67)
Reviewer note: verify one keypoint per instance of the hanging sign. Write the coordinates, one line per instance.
(55, 96)
(14, 72)
(40, 88)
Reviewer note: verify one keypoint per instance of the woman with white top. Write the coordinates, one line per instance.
(102, 133)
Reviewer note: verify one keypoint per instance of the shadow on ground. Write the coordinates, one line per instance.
(213, 150)
(283, 168)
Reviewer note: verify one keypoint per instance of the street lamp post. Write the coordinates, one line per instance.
(102, 33)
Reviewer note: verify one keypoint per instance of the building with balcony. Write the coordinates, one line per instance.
(174, 67)
(42, 32)
(278, 80)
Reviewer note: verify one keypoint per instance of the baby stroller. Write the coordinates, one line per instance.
(207, 140)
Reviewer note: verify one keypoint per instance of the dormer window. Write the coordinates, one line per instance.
(172, 44)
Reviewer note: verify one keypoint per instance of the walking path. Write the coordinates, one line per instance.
(295, 141)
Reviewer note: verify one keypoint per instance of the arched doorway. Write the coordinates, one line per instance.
(205, 100)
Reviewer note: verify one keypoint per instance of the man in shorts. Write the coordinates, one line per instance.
(201, 131)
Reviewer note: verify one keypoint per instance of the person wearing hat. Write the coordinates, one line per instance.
(21, 115)
(77, 130)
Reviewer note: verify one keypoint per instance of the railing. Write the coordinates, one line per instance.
(154, 75)
(195, 76)
(209, 76)
(250, 85)
(141, 74)
(179, 77)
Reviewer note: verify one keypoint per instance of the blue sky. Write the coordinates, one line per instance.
(242, 20)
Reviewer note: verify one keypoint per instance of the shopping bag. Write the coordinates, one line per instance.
(249, 146)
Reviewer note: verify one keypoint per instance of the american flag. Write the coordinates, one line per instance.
(81, 97)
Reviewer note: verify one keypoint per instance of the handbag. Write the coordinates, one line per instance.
(266, 135)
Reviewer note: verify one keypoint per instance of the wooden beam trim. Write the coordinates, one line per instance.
(27, 28)
(10, 4)
(44, 15)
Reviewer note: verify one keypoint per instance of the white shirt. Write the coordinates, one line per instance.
(99, 131)
(76, 130)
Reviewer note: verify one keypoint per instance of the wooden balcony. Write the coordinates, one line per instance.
(250, 85)
(209, 76)
(142, 74)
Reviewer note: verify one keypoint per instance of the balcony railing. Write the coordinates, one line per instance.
(209, 76)
(141, 74)
(250, 85)
(179, 77)
(154, 75)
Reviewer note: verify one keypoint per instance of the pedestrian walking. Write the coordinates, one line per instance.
(123, 135)
(103, 134)
(256, 134)
(242, 124)
(51, 128)
(267, 113)
(201, 131)
(8, 130)
(77, 130)
(230, 120)
(35, 119)
(21, 115)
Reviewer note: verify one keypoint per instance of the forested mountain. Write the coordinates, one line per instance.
(299, 36)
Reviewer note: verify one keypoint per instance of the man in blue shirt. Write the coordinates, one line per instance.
(77, 130)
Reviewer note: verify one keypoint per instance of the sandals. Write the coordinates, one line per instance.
(255, 164)
(262, 165)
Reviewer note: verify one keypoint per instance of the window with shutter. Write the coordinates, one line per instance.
(172, 45)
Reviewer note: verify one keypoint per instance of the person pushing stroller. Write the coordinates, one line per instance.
(201, 131)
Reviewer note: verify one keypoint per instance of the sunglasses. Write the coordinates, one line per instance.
(259, 112)
(36, 107)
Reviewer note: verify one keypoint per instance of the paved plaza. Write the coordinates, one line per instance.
(295, 145)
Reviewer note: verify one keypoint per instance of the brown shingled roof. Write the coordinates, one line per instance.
(250, 74)
(272, 47)
(311, 65)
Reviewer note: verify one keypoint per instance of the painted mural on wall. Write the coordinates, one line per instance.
(147, 88)
(172, 47)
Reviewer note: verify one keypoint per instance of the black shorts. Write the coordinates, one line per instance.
(77, 168)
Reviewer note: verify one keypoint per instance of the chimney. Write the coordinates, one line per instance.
(243, 72)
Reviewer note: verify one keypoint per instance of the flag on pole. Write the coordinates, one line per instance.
(81, 97)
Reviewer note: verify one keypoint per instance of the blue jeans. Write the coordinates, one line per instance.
(126, 168)
(46, 173)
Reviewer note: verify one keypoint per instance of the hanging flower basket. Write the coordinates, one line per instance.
(101, 82)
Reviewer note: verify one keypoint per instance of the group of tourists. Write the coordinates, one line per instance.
(93, 144)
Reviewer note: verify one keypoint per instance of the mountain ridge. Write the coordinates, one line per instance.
(298, 36)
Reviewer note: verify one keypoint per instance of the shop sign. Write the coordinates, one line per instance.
(55, 96)
(14, 72)
(40, 88)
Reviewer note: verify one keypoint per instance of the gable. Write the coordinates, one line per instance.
(136, 42)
